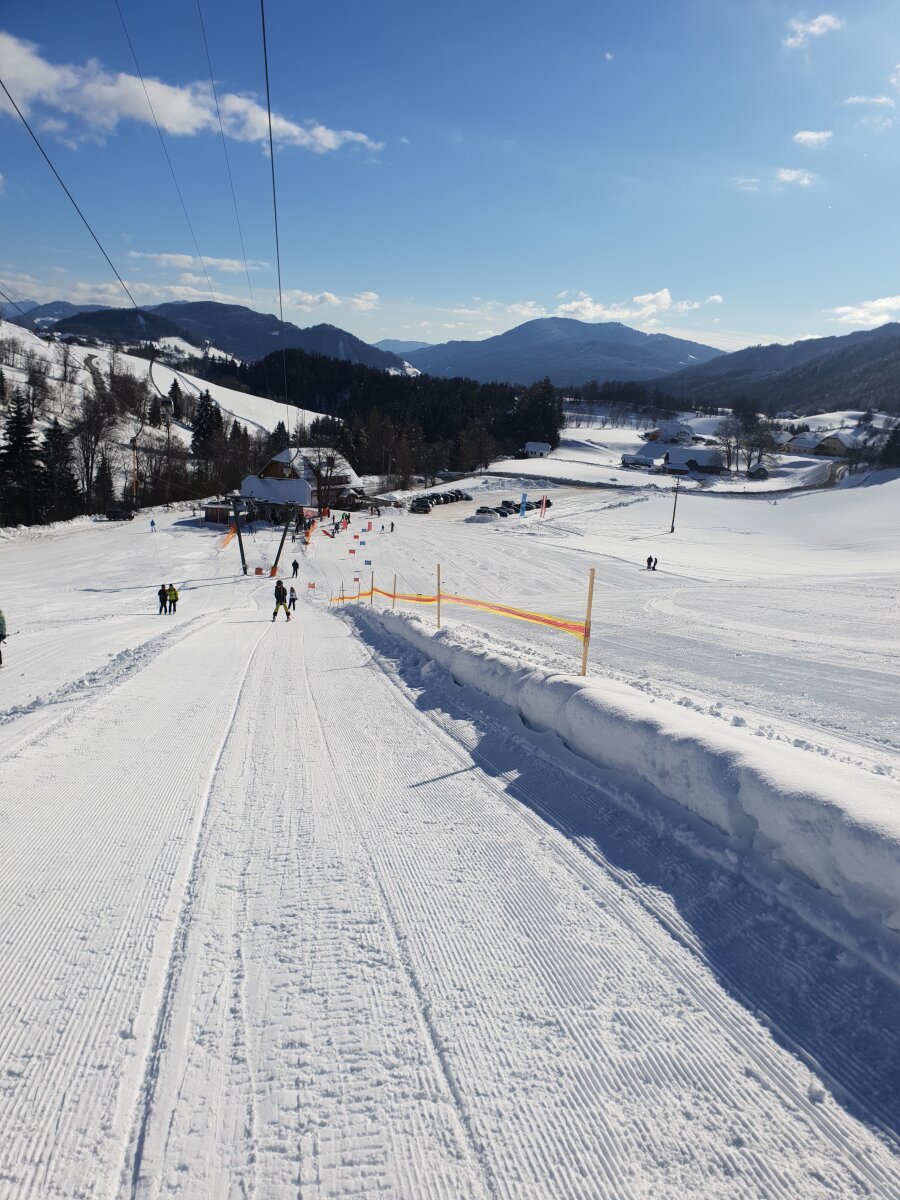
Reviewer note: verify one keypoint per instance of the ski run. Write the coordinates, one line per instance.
(349, 907)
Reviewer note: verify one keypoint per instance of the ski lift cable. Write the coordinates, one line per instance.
(225, 152)
(72, 199)
(230, 177)
(165, 148)
(262, 9)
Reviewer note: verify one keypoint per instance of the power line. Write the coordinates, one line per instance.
(225, 152)
(262, 9)
(69, 194)
(162, 142)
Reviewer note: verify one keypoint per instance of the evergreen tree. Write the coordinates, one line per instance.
(62, 499)
(2, 390)
(280, 439)
(154, 413)
(20, 467)
(177, 400)
(207, 428)
(104, 488)
(890, 453)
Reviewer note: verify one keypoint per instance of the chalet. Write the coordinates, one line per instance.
(681, 459)
(757, 471)
(785, 415)
(537, 449)
(296, 476)
(676, 460)
(673, 432)
(219, 512)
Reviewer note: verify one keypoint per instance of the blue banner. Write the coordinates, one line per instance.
(522, 505)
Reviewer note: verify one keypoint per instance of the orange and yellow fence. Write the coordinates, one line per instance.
(578, 629)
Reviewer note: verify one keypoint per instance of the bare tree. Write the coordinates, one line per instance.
(91, 428)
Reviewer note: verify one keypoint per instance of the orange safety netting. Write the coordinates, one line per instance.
(575, 628)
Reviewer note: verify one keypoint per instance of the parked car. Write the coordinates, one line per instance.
(484, 509)
(420, 506)
(464, 496)
(119, 514)
(504, 512)
(512, 505)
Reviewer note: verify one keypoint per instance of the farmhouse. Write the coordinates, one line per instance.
(309, 476)
(537, 449)
(676, 460)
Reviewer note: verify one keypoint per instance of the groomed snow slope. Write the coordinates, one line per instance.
(288, 911)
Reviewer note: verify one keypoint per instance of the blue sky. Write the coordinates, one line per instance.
(724, 170)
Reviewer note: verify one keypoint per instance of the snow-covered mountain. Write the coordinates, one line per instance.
(568, 351)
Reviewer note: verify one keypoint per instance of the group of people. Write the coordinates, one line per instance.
(168, 598)
(651, 562)
(284, 599)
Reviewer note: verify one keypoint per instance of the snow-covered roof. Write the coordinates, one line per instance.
(276, 491)
(537, 447)
(307, 456)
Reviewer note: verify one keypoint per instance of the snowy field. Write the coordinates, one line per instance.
(343, 907)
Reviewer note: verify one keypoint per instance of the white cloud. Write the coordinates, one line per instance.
(895, 77)
(607, 57)
(744, 183)
(363, 301)
(715, 298)
(801, 178)
(813, 138)
(190, 261)
(189, 277)
(869, 312)
(101, 99)
(295, 298)
(878, 101)
(802, 31)
(529, 309)
(646, 309)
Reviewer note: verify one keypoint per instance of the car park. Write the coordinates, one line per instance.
(119, 514)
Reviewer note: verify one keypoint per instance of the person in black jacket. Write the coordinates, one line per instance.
(163, 595)
(281, 600)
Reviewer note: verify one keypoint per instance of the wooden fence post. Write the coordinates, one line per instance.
(587, 622)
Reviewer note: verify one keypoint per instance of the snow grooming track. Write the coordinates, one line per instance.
(90, 865)
(792, 1088)
(349, 789)
(134, 1156)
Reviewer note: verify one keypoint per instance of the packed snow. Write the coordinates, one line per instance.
(350, 906)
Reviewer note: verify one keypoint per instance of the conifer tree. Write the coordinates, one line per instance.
(61, 495)
(20, 467)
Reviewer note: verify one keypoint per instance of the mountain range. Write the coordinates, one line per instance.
(856, 370)
(568, 351)
(859, 370)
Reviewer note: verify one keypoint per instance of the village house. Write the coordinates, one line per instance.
(676, 460)
(537, 449)
(674, 432)
(297, 475)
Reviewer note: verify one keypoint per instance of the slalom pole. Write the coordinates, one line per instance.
(394, 597)
(439, 595)
(587, 622)
(372, 597)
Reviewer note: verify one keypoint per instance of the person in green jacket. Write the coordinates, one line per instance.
(173, 597)
(2, 635)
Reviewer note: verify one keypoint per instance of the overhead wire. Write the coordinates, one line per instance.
(262, 9)
(162, 142)
(237, 217)
(72, 199)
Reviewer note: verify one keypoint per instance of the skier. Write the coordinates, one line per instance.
(649, 562)
(292, 601)
(172, 597)
(281, 600)
(655, 561)
(163, 595)
(296, 567)
(2, 635)
(392, 526)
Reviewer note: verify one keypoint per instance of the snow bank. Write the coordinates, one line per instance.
(812, 827)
